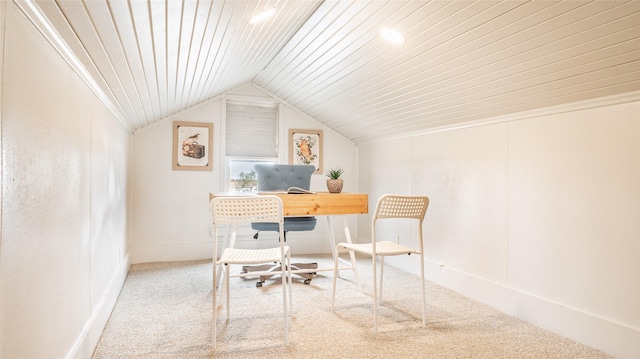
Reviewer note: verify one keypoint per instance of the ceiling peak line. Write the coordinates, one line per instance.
(368, 39)
(316, 16)
(213, 76)
(190, 67)
(358, 44)
(198, 86)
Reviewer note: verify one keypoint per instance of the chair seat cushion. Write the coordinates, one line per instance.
(290, 224)
(251, 256)
(383, 248)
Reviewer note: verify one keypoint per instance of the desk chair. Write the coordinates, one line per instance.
(276, 177)
(389, 207)
(232, 211)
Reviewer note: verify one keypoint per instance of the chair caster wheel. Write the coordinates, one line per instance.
(259, 284)
(307, 281)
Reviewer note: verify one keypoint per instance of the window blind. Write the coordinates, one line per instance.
(251, 130)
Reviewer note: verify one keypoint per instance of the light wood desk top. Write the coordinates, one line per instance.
(320, 203)
(324, 203)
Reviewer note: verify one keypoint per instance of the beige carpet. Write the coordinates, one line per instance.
(164, 311)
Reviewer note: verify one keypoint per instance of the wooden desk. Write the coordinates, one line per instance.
(317, 204)
(322, 204)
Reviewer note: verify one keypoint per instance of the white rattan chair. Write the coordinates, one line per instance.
(388, 207)
(234, 210)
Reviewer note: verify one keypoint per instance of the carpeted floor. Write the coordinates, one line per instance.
(164, 311)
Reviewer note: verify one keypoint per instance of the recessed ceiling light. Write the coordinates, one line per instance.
(392, 35)
(263, 16)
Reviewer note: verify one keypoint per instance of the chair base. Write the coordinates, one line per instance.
(304, 267)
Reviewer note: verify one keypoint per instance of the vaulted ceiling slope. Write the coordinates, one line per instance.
(462, 60)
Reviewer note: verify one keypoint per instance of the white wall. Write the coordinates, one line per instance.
(170, 208)
(63, 254)
(537, 217)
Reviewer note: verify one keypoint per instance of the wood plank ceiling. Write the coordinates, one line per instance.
(462, 60)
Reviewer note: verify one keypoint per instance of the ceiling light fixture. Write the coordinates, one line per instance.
(263, 16)
(392, 35)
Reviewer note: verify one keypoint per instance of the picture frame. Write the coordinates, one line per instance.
(192, 146)
(305, 148)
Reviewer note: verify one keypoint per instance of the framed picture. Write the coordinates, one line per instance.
(305, 148)
(192, 146)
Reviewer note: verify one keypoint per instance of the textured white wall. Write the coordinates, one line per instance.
(536, 217)
(64, 185)
(170, 208)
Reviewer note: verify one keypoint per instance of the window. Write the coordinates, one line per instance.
(251, 137)
(241, 175)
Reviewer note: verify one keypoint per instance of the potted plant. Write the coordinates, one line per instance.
(334, 183)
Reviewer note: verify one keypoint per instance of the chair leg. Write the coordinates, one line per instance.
(214, 315)
(226, 288)
(285, 286)
(424, 303)
(290, 284)
(335, 276)
(220, 283)
(375, 294)
(381, 276)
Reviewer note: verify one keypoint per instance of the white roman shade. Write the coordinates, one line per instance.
(252, 130)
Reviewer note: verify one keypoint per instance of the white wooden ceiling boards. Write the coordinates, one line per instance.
(462, 60)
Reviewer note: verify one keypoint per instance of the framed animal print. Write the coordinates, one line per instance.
(192, 146)
(305, 148)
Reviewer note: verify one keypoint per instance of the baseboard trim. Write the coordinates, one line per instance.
(88, 339)
(611, 337)
(614, 338)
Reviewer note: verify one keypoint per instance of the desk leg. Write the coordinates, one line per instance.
(332, 240)
(347, 234)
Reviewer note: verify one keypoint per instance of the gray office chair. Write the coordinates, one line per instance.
(276, 177)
